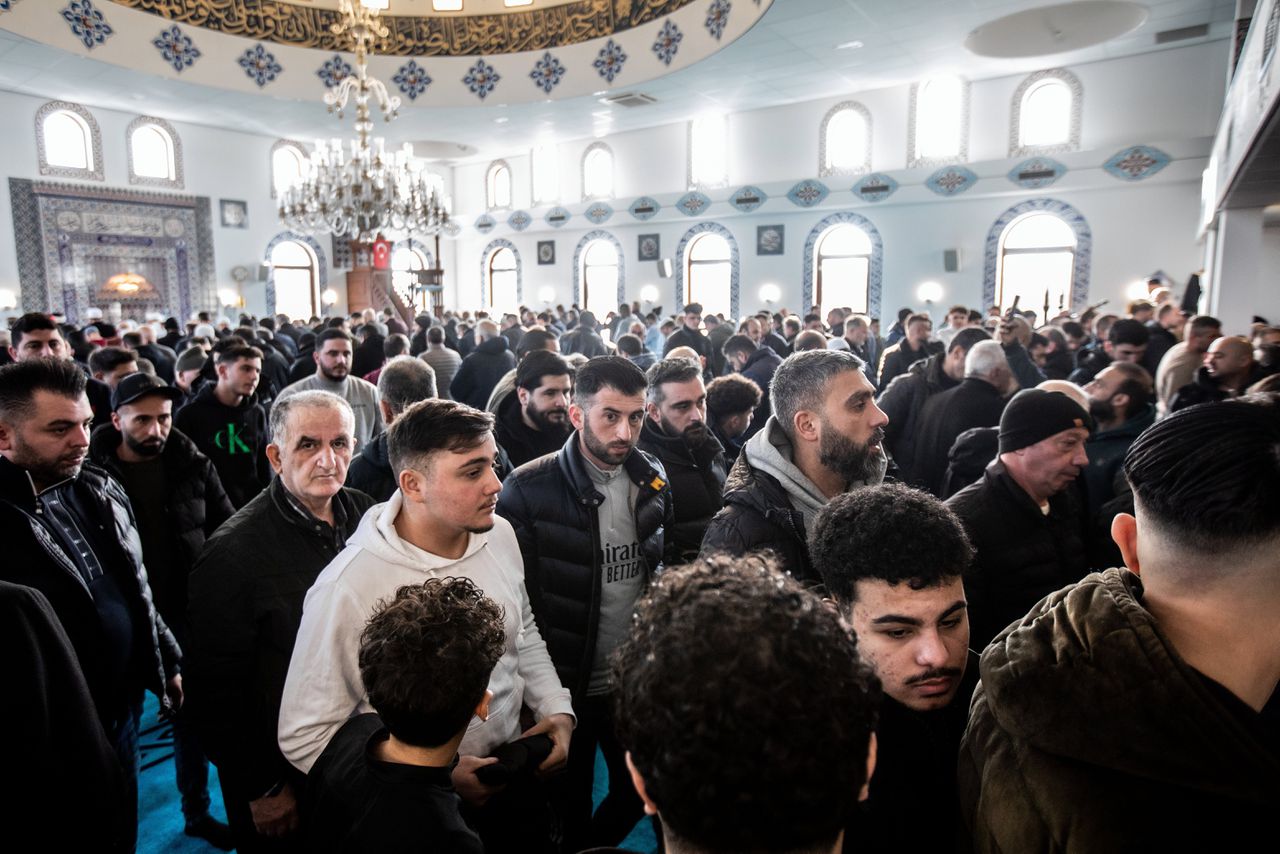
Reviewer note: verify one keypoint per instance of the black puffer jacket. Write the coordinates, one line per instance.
(903, 401)
(480, 372)
(370, 472)
(35, 558)
(697, 484)
(553, 505)
(247, 591)
(197, 505)
(1206, 389)
(1022, 554)
(758, 515)
(521, 442)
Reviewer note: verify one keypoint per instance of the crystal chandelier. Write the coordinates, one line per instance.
(358, 191)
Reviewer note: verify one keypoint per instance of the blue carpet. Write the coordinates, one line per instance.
(160, 820)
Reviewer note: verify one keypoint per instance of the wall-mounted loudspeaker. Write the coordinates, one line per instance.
(664, 268)
(264, 272)
(951, 260)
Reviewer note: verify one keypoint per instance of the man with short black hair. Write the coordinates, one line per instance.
(731, 405)
(584, 338)
(676, 434)
(690, 335)
(786, 726)
(893, 559)
(333, 358)
(534, 421)
(859, 341)
(590, 521)
(111, 364)
(1121, 402)
(718, 332)
(1160, 732)
(1178, 367)
(245, 604)
(758, 364)
(229, 426)
(823, 438)
(36, 336)
(913, 347)
(1027, 526)
(70, 533)
(440, 523)
(1126, 341)
(403, 382)
(957, 319)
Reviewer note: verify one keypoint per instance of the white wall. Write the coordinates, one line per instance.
(1169, 99)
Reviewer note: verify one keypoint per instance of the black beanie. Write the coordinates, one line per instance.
(1034, 415)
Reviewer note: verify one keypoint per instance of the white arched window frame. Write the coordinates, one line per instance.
(708, 274)
(544, 174)
(597, 172)
(601, 266)
(497, 186)
(155, 153)
(294, 271)
(844, 140)
(502, 280)
(1045, 114)
(288, 165)
(842, 268)
(938, 122)
(1037, 263)
(709, 152)
(68, 141)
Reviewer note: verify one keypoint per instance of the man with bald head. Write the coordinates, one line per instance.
(1227, 371)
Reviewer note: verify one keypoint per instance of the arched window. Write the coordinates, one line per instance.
(503, 279)
(844, 146)
(708, 274)
(1037, 262)
(708, 152)
(293, 272)
(600, 263)
(406, 260)
(842, 265)
(155, 153)
(288, 165)
(597, 173)
(939, 122)
(546, 175)
(1046, 114)
(497, 185)
(68, 141)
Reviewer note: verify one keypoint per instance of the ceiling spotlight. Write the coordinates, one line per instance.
(501, 120)
(770, 293)
(649, 293)
(929, 292)
(853, 45)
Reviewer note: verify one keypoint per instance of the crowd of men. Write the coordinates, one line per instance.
(995, 586)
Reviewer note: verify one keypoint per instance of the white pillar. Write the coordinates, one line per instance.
(1242, 280)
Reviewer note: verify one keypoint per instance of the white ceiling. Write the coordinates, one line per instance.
(790, 55)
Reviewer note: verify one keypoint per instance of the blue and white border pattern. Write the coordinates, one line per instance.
(598, 234)
(322, 266)
(493, 246)
(1083, 254)
(734, 263)
(417, 246)
(875, 269)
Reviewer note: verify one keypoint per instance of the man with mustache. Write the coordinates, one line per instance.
(1027, 526)
(179, 501)
(823, 438)
(893, 559)
(534, 421)
(590, 520)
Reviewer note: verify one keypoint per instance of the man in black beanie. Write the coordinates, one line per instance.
(1025, 522)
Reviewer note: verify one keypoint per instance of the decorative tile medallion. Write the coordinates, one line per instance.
(693, 203)
(1037, 172)
(86, 22)
(644, 208)
(519, 220)
(748, 199)
(260, 65)
(951, 180)
(481, 78)
(718, 17)
(806, 194)
(412, 79)
(599, 212)
(333, 71)
(1137, 163)
(176, 47)
(547, 72)
(485, 223)
(609, 61)
(875, 188)
(557, 217)
(668, 41)
(452, 228)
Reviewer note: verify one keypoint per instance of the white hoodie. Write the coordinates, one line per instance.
(324, 688)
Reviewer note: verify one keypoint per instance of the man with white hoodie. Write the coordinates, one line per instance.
(440, 523)
(823, 438)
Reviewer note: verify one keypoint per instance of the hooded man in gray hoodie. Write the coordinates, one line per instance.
(823, 438)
